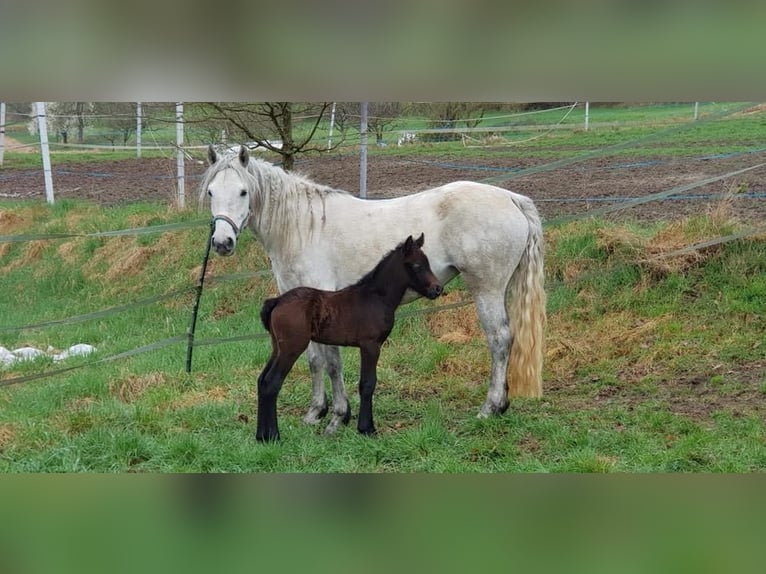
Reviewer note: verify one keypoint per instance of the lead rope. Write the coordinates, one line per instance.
(200, 283)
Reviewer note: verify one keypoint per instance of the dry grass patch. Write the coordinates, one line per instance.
(32, 254)
(70, 250)
(131, 262)
(672, 250)
(611, 336)
(133, 387)
(7, 436)
(214, 395)
(10, 222)
(455, 326)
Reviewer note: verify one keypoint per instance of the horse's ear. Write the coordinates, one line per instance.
(419, 241)
(408, 245)
(244, 156)
(212, 157)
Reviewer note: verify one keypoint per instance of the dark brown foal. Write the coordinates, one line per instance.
(361, 315)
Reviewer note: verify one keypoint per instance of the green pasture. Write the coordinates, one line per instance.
(652, 365)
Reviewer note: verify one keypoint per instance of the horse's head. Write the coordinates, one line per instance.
(229, 199)
(422, 279)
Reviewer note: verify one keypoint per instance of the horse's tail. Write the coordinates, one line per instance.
(527, 310)
(266, 310)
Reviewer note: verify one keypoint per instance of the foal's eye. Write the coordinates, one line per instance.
(210, 193)
(416, 266)
(243, 193)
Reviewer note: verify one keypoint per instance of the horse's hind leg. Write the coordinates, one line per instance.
(341, 408)
(269, 383)
(317, 366)
(493, 316)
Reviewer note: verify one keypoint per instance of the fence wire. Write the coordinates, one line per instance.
(505, 176)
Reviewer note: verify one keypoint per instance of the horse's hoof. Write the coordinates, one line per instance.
(488, 409)
(370, 431)
(315, 415)
(333, 426)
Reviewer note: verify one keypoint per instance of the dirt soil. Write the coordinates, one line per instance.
(568, 190)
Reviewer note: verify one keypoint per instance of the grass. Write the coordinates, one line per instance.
(652, 364)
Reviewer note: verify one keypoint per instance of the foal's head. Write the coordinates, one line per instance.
(421, 278)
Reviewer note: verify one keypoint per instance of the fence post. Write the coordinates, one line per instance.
(2, 133)
(332, 125)
(587, 115)
(180, 153)
(139, 121)
(363, 154)
(42, 124)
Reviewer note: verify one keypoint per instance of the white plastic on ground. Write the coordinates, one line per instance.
(8, 357)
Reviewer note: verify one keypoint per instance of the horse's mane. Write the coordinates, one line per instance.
(286, 206)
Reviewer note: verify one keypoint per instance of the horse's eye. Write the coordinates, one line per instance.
(210, 193)
(243, 193)
(416, 266)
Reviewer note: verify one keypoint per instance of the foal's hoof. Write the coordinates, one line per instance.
(368, 431)
(267, 437)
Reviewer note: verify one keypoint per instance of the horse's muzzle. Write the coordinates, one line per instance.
(434, 291)
(223, 247)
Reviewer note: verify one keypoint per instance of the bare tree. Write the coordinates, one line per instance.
(117, 119)
(64, 117)
(448, 115)
(381, 116)
(271, 125)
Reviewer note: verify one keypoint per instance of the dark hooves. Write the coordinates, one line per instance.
(267, 438)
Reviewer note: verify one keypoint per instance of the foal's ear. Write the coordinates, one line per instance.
(212, 157)
(408, 245)
(419, 241)
(244, 156)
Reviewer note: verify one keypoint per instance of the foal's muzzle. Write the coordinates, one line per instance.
(434, 291)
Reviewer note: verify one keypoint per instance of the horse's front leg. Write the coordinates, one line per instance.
(368, 378)
(341, 408)
(318, 406)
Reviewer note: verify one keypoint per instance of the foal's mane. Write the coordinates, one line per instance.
(286, 206)
(371, 277)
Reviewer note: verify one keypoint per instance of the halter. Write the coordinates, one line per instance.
(237, 228)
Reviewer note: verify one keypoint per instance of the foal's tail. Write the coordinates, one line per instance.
(527, 310)
(268, 307)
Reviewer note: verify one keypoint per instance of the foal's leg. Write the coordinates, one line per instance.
(493, 316)
(318, 406)
(269, 383)
(341, 408)
(368, 378)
